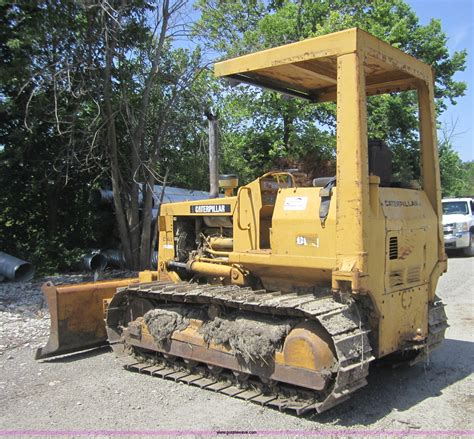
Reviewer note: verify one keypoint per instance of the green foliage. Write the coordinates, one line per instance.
(43, 188)
(185, 148)
(453, 174)
(290, 127)
(457, 177)
(53, 136)
(468, 168)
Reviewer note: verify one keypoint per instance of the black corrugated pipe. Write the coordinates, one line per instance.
(101, 197)
(94, 261)
(15, 269)
(105, 197)
(115, 257)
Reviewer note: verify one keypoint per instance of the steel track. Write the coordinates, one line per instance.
(437, 325)
(341, 321)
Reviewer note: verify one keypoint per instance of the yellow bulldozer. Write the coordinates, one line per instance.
(280, 294)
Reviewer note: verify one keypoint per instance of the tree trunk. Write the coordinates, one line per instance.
(134, 229)
(52, 200)
(111, 140)
(141, 247)
(287, 127)
(134, 213)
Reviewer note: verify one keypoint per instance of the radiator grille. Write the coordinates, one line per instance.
(413, 274)
(396, 278)
(393, 247)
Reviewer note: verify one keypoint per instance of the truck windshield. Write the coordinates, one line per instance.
(455, 207)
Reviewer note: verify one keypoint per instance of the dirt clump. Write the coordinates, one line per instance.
(254, 339)
(162, 322)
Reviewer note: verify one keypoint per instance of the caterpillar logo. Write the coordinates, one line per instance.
(211, 208)
(402, 203)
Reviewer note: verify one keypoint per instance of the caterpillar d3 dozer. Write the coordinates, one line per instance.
(279, 294)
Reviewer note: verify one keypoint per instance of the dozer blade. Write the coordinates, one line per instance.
(77, 315)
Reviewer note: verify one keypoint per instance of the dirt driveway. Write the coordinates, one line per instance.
(91, 394)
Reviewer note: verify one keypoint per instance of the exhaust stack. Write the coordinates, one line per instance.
(213, 154)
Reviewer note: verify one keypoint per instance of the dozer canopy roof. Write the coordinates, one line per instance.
(308, 68)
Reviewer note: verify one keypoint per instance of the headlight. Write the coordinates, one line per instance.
(461, 227)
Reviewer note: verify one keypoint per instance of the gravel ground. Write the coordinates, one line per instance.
(90, 393)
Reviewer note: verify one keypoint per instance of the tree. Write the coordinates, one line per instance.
(96, 91)
(44, 185)
(235, 28)
(93, 91)
(454, 173)
(143, 93)
(469, 172)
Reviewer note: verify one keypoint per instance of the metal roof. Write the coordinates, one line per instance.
(175, 194)
(308, 68)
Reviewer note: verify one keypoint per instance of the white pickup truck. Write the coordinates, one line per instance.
(458, 224)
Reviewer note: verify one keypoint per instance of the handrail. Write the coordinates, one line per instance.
(238, 206)
(280, 173)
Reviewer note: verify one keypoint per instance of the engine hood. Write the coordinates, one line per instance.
(455, 218)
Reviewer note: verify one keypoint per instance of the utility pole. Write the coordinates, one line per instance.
(213, 154)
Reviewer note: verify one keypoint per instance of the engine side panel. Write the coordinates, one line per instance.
(277, 239)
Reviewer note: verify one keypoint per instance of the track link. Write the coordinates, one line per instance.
(341, 321)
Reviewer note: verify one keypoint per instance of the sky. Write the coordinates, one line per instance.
(457, 19)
